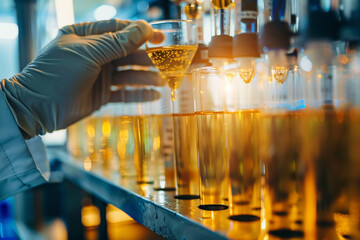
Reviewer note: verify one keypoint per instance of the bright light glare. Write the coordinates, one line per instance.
(64, 12)
(8, 30)
(54, 138)
(104, 12)
(305, 64)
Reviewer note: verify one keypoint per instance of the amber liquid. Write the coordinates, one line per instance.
(354, 142)
(213, 166)
(106, 141)
(154, 158)
(126, 147)
(144, 160)
(221, 4)
(185, 139)
(163, 150)
(242, 131)
(280, 153)
(92, 150)
(172, 62)
(193, 10)
(74, 140)
(326, 140)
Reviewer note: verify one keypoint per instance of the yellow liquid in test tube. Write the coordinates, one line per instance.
(327, 145)
(213, 166)
(185, 139)
(126, 144)
(354, 140)
(280, 145)
(242, 129)
(163, 149)
(144, 160)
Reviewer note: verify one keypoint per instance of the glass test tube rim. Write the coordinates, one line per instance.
(169, 29)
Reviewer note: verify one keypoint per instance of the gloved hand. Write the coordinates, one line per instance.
(71, 76)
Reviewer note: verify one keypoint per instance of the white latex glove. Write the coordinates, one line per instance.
(71, 76)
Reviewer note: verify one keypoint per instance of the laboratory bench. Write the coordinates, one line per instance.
(157, 210)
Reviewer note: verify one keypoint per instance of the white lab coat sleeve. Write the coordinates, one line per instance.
(23, 163)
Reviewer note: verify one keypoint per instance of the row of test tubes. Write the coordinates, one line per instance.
(273, 137)
(280, 152)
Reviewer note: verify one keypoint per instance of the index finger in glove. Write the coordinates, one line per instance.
(93, 28)
(110, 46)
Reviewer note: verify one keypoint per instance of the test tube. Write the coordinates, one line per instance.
(243, 124)
(209, 104)
(350, 63)
(280, 135)
(242, 134)
(144, 161)
(325, 127)
(353, 99)
(185, 141)
(163, 140)
(125, 147)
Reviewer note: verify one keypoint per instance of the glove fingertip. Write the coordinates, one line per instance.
(144, 28)
(133, 36)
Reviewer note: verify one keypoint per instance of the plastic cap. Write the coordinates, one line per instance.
(249, 5)
(276, 35)
(221, 46)
(246, 45)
